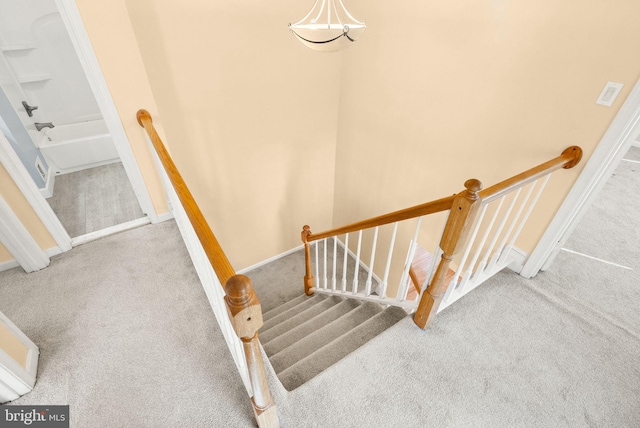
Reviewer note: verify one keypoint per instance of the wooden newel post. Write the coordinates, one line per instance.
(463, 211)
(308, 277)
(246, 317)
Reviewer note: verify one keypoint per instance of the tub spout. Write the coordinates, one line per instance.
(41, 126)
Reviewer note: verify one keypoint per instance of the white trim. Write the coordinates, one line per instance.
(82, 44)
(270, 259)
(9, 264)
(596, 258)
(47, 190)
(636, 144)
(19, 242)
(606, 157)
(25, 183)
(92, 236)
(165, 217)
(16, 380)
(519, 257)
(53, 251)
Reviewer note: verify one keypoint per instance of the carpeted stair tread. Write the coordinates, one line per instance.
(324, 335)
(310, 366)
(308, 326)
(270, 331)
(307, 303)
(284, 307)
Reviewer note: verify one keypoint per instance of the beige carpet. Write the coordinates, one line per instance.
(127, 340)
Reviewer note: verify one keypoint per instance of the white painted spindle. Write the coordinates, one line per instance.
(488, 229)
(503, 222)
(467, 273)
(344, 263)
(524, 219)
(437, 253)
(356, 269)
(383, 290)
(335, 263)
(460, 270)
(372, 260)
(316, 244)
(324, 265)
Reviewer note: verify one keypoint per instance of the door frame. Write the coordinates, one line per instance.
(8, 158)
(82, 44)
(615, 143)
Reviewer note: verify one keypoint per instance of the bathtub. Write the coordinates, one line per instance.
(78, 146)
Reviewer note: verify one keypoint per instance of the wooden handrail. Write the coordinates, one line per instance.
(464, 207)
(243, 306)
(416, 211)
(212, 248)
(568, 159)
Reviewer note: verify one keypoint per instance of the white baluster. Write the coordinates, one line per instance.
(344, 263)
(383, 290)
(324, 265)
(526, 216)
(356, 270)
(335, 263)
(494, 257)
(476, 254)
(316, 244)
(465, 255)
(483, 262)
(501, 249)
(373, 258)
(437, 253)
(404, 280)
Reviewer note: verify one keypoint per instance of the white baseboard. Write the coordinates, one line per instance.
(270, 259)
(83, 239)
(9, 264)
(47, 190)
(519, 256)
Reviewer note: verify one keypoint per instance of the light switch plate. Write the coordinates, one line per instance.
(609, 93)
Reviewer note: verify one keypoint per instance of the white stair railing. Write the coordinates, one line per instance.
(478, 245)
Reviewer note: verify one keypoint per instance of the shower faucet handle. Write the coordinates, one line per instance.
(29, 108)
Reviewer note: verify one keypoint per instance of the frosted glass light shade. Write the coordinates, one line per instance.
(328, 27)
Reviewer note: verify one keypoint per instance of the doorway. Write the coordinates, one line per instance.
(55, 126)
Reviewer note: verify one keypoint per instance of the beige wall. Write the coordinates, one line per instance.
(21, 207)
(433, 94)
(17, 350)
(250, 116)
(438, 92)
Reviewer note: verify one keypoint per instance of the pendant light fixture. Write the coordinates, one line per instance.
(329, 27)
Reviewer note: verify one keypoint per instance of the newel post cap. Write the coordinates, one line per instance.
(244, 307)
(143, 114)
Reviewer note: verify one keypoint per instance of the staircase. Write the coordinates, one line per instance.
(349, 299)
(306, 335)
